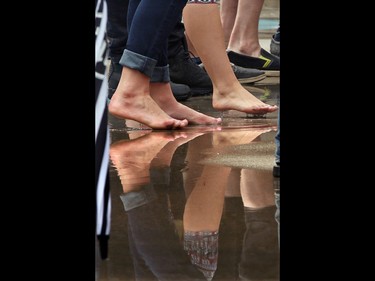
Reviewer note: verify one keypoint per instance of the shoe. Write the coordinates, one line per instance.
(245, 75)
(180, 91)
(275, 43)
(248, 75)
(182, 69)
(114, 75)
(267, 62)
(196, 60)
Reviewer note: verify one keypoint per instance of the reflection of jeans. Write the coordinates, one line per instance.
(149, 23)
(155, 245)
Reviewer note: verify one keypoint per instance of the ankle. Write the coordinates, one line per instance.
(252, 50)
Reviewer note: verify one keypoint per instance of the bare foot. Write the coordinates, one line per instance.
(163, 96)
(242, 100)
(132, 101)
(165, 155)
(132, 158)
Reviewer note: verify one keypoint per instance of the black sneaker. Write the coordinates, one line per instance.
(245, 75)
(182, 69)
(180, 91)
(275, 43)
(266, 62)
(248, 75)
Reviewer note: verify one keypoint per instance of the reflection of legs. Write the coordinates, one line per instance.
(202, 216)
(141, 270)
(165, 155)
(132, 158)
(237, 137)
(260, 253)
(203, 27)
(193, 169)
(257, 188)
(158, 252)
(204, 205)
(213, 141)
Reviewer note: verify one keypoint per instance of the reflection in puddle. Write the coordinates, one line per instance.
(196, 207)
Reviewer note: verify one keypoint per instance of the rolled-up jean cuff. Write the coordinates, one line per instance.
(138, 198)
(138, 62)
(160, 74)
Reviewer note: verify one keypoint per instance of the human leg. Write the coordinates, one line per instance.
(182, 69)
(228, 12)
(275, 43)
(203, 27)
(243, 46)
(144, 61)
(244, 36)
(117, 36)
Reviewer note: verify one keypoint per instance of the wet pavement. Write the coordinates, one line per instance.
(197, 203)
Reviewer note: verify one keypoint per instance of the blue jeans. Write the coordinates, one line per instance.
(117, 31)
(150, 22)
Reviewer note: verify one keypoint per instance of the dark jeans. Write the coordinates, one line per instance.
(117, 33)
(146, 41)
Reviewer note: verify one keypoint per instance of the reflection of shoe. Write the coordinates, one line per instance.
(266, 62)
(260, 259)
(183, 70)
(276, 170)
(275, 43)
(180, 92)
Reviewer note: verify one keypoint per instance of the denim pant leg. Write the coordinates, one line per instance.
(150, 23)
(176, 40)
(117, 33)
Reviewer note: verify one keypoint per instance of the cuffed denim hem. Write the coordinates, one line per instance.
(138, 62)
(138, 198)
(160, 74)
